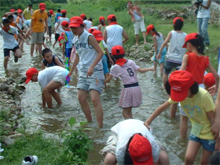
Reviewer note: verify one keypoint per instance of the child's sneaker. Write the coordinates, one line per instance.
(30, 160)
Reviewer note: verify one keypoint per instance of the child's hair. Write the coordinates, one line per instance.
(58, 10)
(90, 19)
(102, 22)
(10, 17)
(6, 21)
(198, 43)
(64, 14)
(193, 89)
(113, 20)
(46, 50)
(48, 14)
(82, 25)
(118, 56)
(215, 158)
(154, 30)
(178, 24)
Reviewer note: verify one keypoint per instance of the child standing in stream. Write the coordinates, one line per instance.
(126, 69)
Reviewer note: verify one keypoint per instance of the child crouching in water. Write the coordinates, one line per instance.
(158, 39)
(199, 107)
(126, 69)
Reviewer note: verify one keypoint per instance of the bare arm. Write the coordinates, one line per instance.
(184, 63)
(58, 62)
(165, 42)
(95, 45)
(46, 26)
(105, 36)
(43, 101)
(208, 5)
(124, 34)
(110, 59)
(143, 70)
(58, 24)
(76, 61)
(215, 126)
(42, 65)
(212, 90)
(108, 78)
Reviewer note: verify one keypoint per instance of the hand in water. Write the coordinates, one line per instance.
(90, 71)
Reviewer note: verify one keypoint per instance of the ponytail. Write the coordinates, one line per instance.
(154, 30)
(198, 43)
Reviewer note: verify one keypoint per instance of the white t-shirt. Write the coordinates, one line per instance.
(59, 29)
(88, 24)
(125, 130)
(114, 36)
(202, 12)
(48, 74)
(9, 39)
(176, 51)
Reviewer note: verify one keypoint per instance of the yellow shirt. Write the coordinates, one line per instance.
(28, 13)
(196, 109)
(38, 20)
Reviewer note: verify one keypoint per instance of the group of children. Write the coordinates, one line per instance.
(185, 53)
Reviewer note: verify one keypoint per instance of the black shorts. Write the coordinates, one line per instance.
(57, 36)
(50, 30)
(7, 51)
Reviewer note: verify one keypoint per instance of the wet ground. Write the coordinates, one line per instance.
(53, 122)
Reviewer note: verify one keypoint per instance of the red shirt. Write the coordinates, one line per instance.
(197, 66)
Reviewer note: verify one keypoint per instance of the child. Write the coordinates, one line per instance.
(49, 59)
(19, 22)
(102, 24)
(90, 69)
(209, 81)
(57, 32)
(199, 107)
(98, 36)
(126, 69)
(49, 79)
(10, 43)
(175, 51)
(158, 39)
(49, 23)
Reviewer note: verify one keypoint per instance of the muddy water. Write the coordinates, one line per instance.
(52, 122)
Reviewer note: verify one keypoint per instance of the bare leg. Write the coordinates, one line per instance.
(32, 50)
(82, 97)
(54, 43)
(205, 157)
(144, 36)
(127, 113)
(48, 90)
(40, 49)
(110, 159)
(56, 96)
(6, 59)
(191, 152)
(173, 109)
(161, 68)
(137, 39)
(165, 79)
(163, 159)
(183, 126)
(18, 53)
(95, 97)
(155, 66)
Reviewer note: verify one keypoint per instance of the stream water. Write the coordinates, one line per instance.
(55, 121)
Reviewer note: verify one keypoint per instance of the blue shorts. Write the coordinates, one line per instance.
(163, 55)
(105, 64)
(208, 145)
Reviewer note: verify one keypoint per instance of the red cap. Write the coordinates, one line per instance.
(117, 50)
(98, 35)
(62, 34)
(75, 21)
(191, 36)
(63, 11)
(101, 18)
(19, 11)
(58, 17)
(30, 72)
(180, 81)
(140, 151)
(12, 10)
(82, 16)
(175, 19)
(111, 17)
(42, 6)
(51, 12)
(61, 39)
(91, 30)
(149, 28)
(65, 23)
(209, 79)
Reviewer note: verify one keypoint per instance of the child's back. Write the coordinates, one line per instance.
(175, 51)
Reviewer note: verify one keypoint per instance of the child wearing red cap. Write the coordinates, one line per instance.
(57, 32)
(132, 143)
(50, 79)
(199, 107)
(19, 22)
(102, 24)
(90, 69)
(61, 19)
(158, 39)
(126, 69)
(98, 36)
(209, 81)
(49, 22)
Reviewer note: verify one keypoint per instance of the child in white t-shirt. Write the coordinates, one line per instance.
(50, 79)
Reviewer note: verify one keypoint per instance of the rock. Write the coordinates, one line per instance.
(171, 15)
(4, 87)
(15, 135)
(7, 140)
(20, 87)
